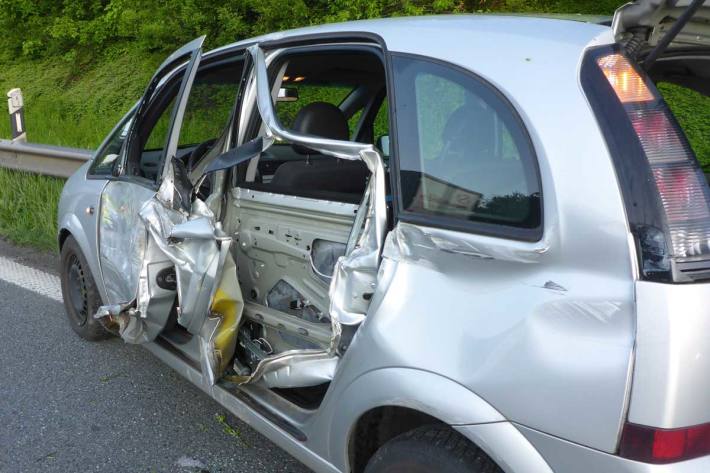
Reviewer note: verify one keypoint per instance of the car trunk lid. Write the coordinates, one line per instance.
(671, 39)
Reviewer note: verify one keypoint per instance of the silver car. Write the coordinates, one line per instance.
(455, 243)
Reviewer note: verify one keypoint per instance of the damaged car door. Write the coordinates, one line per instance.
(161, 251)
(309, 283)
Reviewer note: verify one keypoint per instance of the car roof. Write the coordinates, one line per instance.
(518, 54)
(533, 62)
(426, 33)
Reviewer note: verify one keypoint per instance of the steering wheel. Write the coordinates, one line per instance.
(198, 153)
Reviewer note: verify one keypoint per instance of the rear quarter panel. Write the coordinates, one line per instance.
(543, 332)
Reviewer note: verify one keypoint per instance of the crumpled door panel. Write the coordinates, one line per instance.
(123, 239)
(209, 298)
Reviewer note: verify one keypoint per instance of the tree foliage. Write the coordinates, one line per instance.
(71, 28)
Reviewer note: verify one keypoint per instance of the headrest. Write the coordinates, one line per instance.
(320, 119)
(470, 132)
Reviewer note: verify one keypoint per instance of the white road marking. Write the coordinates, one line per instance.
(35, 280)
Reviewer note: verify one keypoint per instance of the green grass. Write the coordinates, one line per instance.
(28, 204)
(69, 104)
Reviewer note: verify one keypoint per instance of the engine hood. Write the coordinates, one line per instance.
(640, 25)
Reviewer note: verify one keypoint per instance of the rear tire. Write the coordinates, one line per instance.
(81, 297)
(431, 449)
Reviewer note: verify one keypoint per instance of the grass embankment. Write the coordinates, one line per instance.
(66, 104)
(71, 104)
(76, 105)
(28, 206)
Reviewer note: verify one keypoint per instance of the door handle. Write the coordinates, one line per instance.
(89, 211)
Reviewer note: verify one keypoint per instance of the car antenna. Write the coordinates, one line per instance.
(666, 40)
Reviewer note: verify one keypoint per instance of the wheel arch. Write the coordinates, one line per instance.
(378, 426)
(403, 398)
(62, 236)
(70, 225)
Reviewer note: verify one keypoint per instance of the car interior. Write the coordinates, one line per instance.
(291, 216)
(339, 96)
(294, 213)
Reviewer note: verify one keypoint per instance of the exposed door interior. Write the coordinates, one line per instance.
(293, 209)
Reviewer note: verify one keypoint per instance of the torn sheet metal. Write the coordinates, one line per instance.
(414, 243)
(218, 335)
(210, 304)
(300, 371)
(210, 301)
(198, 254)
(292, 369)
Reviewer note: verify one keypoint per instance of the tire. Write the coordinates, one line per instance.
(431, 449)
(81, 297)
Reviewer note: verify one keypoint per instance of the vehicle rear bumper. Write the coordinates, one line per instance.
(567, 457)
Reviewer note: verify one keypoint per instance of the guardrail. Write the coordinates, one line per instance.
(42, 159)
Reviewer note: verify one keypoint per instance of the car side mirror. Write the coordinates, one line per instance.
(383, 143)
(287, 94)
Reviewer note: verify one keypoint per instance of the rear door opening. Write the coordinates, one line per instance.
(308, 212)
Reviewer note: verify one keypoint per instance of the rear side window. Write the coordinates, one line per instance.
(465, 160)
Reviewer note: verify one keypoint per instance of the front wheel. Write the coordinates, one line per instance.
(431, 449)
(81, 297)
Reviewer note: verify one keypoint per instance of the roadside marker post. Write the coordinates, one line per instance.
(15, 105)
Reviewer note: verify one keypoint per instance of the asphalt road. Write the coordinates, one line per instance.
(71, 405)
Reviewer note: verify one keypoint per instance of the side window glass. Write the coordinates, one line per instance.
(381, 130)
(463, 153)
(158, 128)
(207, 112)
(159, 133)
(107, 156)
(210, 103)
(382, 124)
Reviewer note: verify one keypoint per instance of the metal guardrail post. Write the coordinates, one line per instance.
(39, 159)
(16, 107)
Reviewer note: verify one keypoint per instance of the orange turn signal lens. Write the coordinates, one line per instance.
(624, 79)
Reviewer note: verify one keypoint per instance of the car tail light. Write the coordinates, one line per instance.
(652, 445)
(625, 80)
(677, 244)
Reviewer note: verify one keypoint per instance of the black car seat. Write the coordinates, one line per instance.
(318, 173)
